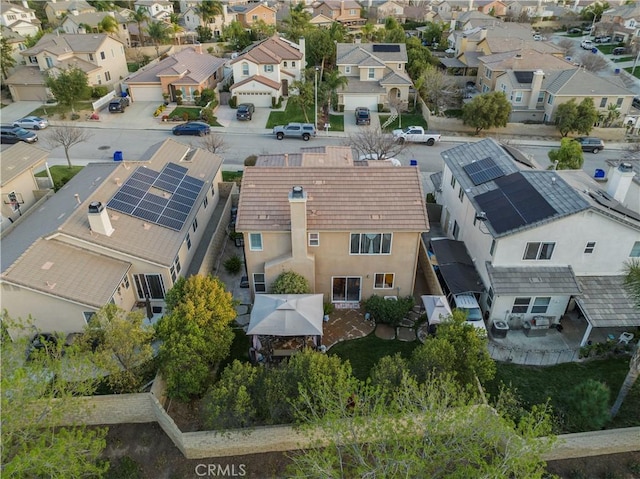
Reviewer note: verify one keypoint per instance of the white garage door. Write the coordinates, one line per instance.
(259, 99)
(145, 93)
(351, 102)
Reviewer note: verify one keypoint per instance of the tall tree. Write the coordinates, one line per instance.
(140, 16)
(108, 25)
(35, 399)
(587, 116)
(298, 22)
(613, 113)
(7, 62)
(68, 86)
(158, 33)
(433, 429)
(488, 110)
(208, 9)
(333, 80)
(262, 30)
(175, 31)
(195, 335)
(304, 98)
(367, 30)
(66, 136)
(566, 116)
(436, 86)
(320, 48)
(568, 157)
(236, 35)
(373, 141)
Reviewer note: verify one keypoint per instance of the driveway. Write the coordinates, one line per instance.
(16, 110)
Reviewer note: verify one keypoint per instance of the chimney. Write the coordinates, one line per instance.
(225, 12)
(302, 46)
(25, 4)
(99, 221)
(620, 181)
(298, 206)
(470, 5)
(341, 8)
(483, 33)
(197, 46)
(452, 24)
(536, 86)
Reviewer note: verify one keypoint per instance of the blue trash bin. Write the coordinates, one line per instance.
(413, 162)
(117, 156)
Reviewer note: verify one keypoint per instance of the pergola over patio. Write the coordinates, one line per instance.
(605, 304)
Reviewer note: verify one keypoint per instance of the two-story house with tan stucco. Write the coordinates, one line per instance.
(90, 23)
(376, 73)
(98, 55)
(251, 13)
(346, 12)
(266, 69)
(351, 231)
(19, 18)
(118, 233)
(56, 10)
(192, 20)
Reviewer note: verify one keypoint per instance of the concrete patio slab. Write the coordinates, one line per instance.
(406, 334)
(385, 331)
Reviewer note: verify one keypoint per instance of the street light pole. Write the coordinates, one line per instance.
(316, 97)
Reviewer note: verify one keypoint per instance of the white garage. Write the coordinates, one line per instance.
(258, 98)
(145, 92)
(351, 101)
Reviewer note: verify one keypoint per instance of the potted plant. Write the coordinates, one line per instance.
(179, 97)
(165, 96)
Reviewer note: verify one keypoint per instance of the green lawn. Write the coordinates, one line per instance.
(636, 73)
(61, 174)
(336, 122)
(57, 109)
(365, 352)
(407, 119)
(607, 49)
(292, 113)
(179, 112)
(535, 384)
(623, 59)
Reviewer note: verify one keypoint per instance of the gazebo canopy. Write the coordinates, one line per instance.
(287, 315)
(436, 307)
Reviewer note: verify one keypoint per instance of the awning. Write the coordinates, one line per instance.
(455, 266)
(533, 280)
(605, 302)
(436, 308)
(287, 315)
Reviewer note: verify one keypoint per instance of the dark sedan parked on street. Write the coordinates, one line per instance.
(14, 134)
(197, 128)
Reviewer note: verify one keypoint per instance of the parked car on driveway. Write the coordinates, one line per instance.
(14, 134)
(574, 30)
(363, 116)
(602, 39)
(586, 44)
(197, 128)
(245, 111)
(118, 105)
(295, 130)
(619, 51)
(31, 123)
(592, 144)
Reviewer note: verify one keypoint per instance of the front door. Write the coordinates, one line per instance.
(345, 289)
(285, 87)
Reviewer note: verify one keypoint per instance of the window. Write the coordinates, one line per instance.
(399, 66)
(518, 97)
(490, 297)
(49, 61)
(370, 243)
(550, 100)
(493, 247)
(102, 55)
(284, 64)
(383, 281)
(345, 289)
(254, 18)
(456, 229)
(90, 56)
(125, 282)
(205, 203)
(461, 194)
(487, 72)
(353, 11)
(268, 68)
(188, 240)
(520, 305)
(485, 88)
(259, 283)
(245, 69)
(503, 88)
(88, 315)
(293, 64)
(540, 305)
(453, 181)
(149, 286)
(11, 17)
(539, 250)
(347, 69)
(195, 225)
(540, 97)
(372, 73)
(175, 269)
(13, 201)
(255, 241)
(635, 251)
(603, 102)
(99, 79)
(619, 102)
(591, 245)
(107, 76)
(314, 239)
(33, 60)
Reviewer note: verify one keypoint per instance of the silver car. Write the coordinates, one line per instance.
(31, 123)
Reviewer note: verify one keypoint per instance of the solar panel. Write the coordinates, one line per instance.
(135, 199)
(386, 48)
(524, 77)
(513, 204)
(483, 170)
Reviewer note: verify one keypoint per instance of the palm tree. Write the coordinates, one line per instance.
(208, 9)
(140, 16)
(108, 25)
(159, 33)
(367, 30)
(304, 98)
(612, 114)
(632, 285)
(175, 30)
(334, 80)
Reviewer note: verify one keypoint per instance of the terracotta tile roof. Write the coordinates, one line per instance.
(330, 155)
(272, 50)
(57, 268)
(339, 199)
(197, 67)
(260, 79)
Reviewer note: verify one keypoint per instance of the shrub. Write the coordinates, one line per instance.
(586, 407)
(291, 282)
(233, 102)
(99, 91)
(250, 160)
(274, 102)
(328, 308)
(380, 107)
(341, 108)
(387, 311)
(206, 115)
(75, 116)
(159, 110)
(206, 96)
(233, 265)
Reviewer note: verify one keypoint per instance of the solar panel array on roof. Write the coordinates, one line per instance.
(386, 48)
(169, 207)
(483, 170)
(513, 204)
(524, 77)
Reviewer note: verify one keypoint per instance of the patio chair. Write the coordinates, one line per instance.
(625, 338)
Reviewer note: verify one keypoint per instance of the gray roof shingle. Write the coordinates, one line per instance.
(533, 280)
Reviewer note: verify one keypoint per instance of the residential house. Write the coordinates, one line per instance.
(90, 23)
(418, 13)
(303, 219)
(536, 95)
(56, 10)
(376, 72)
(156, 9)
(347, 12)
(19, 19)
(328, 155)
(19, 187)
(100, 56)
(621, 21)
(493, 8)
(17, 43)
(265, 70)
(118, 233)
(541, 240)
(193, 20)
(189, 71)
(251, 13)
(390, 9)
(321, 21)
(447, 10)
(521, 10)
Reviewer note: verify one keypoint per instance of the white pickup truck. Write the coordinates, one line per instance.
(416, 134)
